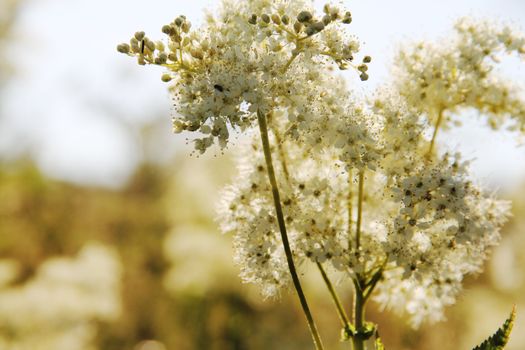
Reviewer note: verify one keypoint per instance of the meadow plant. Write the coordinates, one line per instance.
(353, 185)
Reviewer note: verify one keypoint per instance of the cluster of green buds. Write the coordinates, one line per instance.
(304, 22)
(363, 68)
(144, 49)
(149, 52)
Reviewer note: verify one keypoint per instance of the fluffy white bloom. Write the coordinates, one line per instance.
(423, 224)
(248, 56)
(458, 72)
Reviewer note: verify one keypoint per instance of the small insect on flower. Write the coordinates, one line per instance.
(142, 44)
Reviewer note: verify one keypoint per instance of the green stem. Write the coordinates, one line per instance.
(350, 209)
(340, 310)
(434, 134)
(359, 210)
(359, 316)
(282, 227)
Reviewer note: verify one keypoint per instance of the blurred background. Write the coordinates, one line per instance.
(107, 233)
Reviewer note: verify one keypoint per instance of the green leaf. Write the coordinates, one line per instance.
(499, 339)
(378, 344)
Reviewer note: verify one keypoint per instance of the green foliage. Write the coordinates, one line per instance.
(378, 344)
(499, 339)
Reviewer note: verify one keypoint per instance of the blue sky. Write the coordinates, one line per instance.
(76, 104)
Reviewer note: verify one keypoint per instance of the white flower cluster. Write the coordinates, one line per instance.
(361, 186)
(458, 72)
(57, 307)
(426, 224)
(245, 59)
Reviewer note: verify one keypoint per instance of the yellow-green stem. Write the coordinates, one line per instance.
(359, 316)
(359, 210)
(434, 134)
(350, 209)
(282, 228)
(340, 310)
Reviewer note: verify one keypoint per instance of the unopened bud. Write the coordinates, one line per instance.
(276, 19)
(161, 58)
(186, 26)
(367, 59)
(123, 48)
(165, 78)
(253, 19)
(297, 26)
(139, 35)
(362, 68)
(304, 16)
(347, 18)
(159, 45)
(197, 53)
(363, 76)
(327, 19)
(310, 30)
(178, 21)
(318, 26)
(285, 19)
(167, 29)
(150, 45)
(265, 18)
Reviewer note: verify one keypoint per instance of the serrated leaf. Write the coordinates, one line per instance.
(378, 344)
(499, 339)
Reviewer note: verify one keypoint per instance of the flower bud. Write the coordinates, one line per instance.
(178, 21)
(178, 126)
(265, 18)
(186, 26)
(167, 29)
(166, 78)
(276, 19)
(362, 68)
(304, 16)
(318, 26)
(310, 30)
(159, 45)
(149, 44)
(363, 76)
(347, 18)
(327, 19)
(285, 19)
(253, 19)
(297, 26)
(197, 53)
(123, 48)
(161, 58)
(140, 36)
(367, 59)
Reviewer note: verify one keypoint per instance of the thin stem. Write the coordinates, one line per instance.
(282, 156)
(340, 310)
(282, 227)
(287, 65)
(359, 316)
(372, 284)
(434, 134)
(350, 209)
(359, 210)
